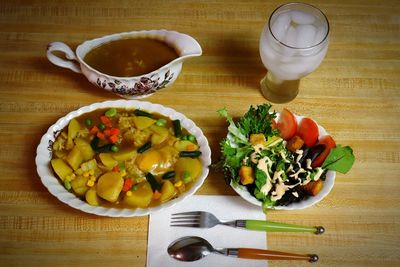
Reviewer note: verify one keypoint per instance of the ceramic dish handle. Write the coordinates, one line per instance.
(263, 254)
(281, 227)
(71, 63)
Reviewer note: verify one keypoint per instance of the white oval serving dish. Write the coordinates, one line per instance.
(52, 183)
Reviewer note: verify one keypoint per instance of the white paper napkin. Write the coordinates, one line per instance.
(225, 208)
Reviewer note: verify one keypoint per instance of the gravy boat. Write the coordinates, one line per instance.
(128, 87)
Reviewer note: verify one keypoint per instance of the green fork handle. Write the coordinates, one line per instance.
(281, 227)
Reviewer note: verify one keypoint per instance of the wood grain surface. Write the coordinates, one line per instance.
(354, 94)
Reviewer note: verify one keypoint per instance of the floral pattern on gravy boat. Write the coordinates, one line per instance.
(128, 87)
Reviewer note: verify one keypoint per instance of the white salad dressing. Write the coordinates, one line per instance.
(266, 187)
(265, 165)
(320, 171)
(277, 181)
(308, 164)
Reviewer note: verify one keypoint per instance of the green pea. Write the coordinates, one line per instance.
(67, 185)
(111, 112)
(161, 122)
(134, 187)
(114, 148)
(101, 126)
(121, 166)
(191, 138)
(88, 122)
(186, 177)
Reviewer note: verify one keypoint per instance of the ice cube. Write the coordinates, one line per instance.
(319, 36)
(301, 17)
(280, 25)
(291, 37)
(305, 35)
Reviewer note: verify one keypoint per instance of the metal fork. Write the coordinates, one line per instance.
(203, 219)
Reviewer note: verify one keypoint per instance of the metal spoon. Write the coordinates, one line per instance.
(193, 248)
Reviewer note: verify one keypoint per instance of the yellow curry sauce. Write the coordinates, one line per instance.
(130, 57)
(126, 158)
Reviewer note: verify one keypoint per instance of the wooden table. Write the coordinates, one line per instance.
(354, 94)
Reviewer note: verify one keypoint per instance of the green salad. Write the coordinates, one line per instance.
(279, 161)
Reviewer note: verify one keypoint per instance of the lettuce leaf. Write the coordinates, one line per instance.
(236, 146)
(233, 130)
(340, 159)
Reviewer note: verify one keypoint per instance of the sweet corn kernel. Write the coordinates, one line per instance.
(92, 178)
(129, 193)
(70, 177)
(90, 183)
(178, 184)
(86, 174)
(123, 173)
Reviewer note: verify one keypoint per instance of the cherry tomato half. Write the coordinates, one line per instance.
(308, 131)
(287, 124)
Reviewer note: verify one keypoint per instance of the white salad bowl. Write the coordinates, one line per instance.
(52, 183)
(305, 203)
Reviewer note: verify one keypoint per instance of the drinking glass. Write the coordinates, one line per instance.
(292, 45)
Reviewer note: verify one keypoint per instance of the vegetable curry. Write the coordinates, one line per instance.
(124, 158)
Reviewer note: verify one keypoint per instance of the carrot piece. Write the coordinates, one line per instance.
(107, 132)
(106, 120)
(127, 184)
(191, 147)
(115, 169)
(156, 194)
(113, 139)
(101, 136)
(94, 130)
(114, 131)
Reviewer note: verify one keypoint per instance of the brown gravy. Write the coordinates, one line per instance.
(130, 57)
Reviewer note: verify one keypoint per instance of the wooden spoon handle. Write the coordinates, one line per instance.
(262, 254)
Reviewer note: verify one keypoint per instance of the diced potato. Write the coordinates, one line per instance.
(89, 165)
(61, 168)
(75, 158)
(157, 139)
(169, 156)
(258, 139)
(185, 145)
(141, 197)
(167, 191)
(85, 148)
(62, 154)
(314, 187)
(92, 198)
(108, 160)
(148, 161)
(161, 130)
(124, 154)
(160, 134)
(142, 122)
(191, 165)
(73, 128)
(246, 175)
(109, 186)
(79, 185)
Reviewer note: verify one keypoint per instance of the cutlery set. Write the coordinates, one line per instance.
(192, 248)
